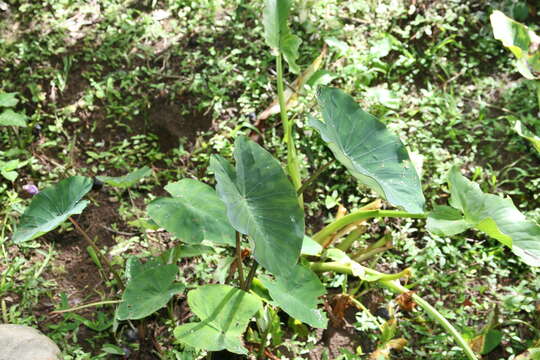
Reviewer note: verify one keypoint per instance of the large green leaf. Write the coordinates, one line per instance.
(149, 289)
(277, 33)
(8, 99)
(261, 202)
(494, 215)
(194, 213)
(521, 41)
(127, 180)
(52, 206)
(297, 294)
(375, 156)
(224, 312)
(11, 118)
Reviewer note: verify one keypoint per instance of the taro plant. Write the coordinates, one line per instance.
(524, 45)
(256, 211)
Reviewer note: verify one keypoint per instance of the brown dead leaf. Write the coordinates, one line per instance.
(383, 353)
(340, 304)
(405, 301)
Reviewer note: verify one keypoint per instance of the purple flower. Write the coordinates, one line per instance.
(31, 189)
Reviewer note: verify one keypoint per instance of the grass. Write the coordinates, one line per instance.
(118, 90)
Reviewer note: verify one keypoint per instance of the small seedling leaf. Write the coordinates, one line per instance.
(261, 203)
(194, 213)
(52, 206)
(363, 144)
(224, 312)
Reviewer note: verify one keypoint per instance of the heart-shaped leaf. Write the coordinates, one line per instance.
(375, 156)
(277, 33)
(11, 118)
(494, 215)
(297, 294)
(194, 213)
(521, 41)
(127, 180)
(148, 290)
(52, 206)
(224, 312)
(261, 202)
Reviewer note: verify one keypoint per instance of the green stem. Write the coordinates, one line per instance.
(380, 245)
(367, 312)
(260, 355)
(313, 177)
(250, 276)
(104, 259)
(346, 243)
(293, 167)
(99, 303)
(398, 288)
(361, 215)
(239, 261)
(5, 316)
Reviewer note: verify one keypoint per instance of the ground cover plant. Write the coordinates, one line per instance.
(259, 263)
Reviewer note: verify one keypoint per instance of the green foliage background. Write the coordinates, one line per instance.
(430, 70)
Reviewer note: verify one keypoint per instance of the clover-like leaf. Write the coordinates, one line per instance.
(363, 144)
(224, 312)
(491, 214)
(149, 289)
(520, 40)
(52, 206)
(194, 213)
(127, 180)
(11, 118)
(261, 202)
(297, 293)
(277, 33)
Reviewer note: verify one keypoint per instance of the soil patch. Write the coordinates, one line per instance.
(172, 120)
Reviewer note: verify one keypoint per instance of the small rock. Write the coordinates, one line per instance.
(18, 342)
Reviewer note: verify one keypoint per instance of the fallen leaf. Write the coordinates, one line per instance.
(405, 301)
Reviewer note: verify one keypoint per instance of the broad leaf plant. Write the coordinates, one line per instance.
(257, 206)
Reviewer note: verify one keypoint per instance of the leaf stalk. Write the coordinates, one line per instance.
(361, 215)
(398, 288)
(239, 261)
(293, 167)
(98, 252)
